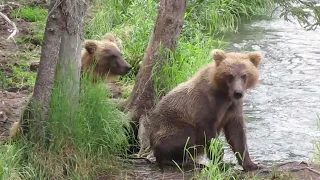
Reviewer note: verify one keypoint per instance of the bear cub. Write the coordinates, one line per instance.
(106, 56)
(197, 110)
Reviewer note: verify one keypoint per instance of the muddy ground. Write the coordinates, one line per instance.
(14, 98)
(143, 170)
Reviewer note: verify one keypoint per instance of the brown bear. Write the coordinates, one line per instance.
(200, 108)
(109, 63)
(106, 56)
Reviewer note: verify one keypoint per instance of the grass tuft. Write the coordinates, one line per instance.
(80, 141)
(32, 14)
(18, 74)
(83, 140)
(10, 159)
(203, 20)
(37, 16)
(217, 168)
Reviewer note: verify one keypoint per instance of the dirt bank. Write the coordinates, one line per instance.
(12, 96)
(142, 170)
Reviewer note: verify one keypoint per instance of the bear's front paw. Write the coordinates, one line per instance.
(252, 166)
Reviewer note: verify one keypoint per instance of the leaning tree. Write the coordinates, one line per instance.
(165, 36)
(163, 39)
(167, 32)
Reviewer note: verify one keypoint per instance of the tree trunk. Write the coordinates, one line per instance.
(70, 48)
(48, 59)
(165, 34)
(62, 45)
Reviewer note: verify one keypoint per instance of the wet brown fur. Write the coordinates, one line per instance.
(203, 105)
(98, 52)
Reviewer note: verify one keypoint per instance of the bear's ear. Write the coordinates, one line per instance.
(255, 58)
(90, 46)
(218, 56)
(110, 37)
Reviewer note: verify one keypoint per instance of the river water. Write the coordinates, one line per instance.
(281, 112)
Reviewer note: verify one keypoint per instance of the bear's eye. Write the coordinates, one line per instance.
(112, 57)
(230, 77)
(244, 77)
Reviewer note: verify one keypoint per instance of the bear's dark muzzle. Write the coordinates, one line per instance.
(238, 95)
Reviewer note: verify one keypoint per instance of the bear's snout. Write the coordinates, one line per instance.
(128, 69)
(237, 94)
(123, 67)
(125, 70)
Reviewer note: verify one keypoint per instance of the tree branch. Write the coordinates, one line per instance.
(15, 29)
(10, 5)
(306, 12)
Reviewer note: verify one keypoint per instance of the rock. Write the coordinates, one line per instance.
(3, 116)
(34, 66)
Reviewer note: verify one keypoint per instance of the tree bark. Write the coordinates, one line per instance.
(70, 48)
(166, 33)
(62, 45)
(48, 59)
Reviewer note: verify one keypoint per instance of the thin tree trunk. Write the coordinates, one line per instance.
(62, 45)
(70, 49)
(166, 33)
(48, 59)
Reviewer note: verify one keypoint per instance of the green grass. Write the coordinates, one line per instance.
(85, 139)
(81, 140)
(90, 138)
(22, 75)
(3, 80)
(10, 159)
(217, 168)
(19, 75)
(213, 17)
(32, 14)
(183, 64)
(203, 20)
(37, 17)
(128, 21)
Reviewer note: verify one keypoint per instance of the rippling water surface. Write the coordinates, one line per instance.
(282, 110)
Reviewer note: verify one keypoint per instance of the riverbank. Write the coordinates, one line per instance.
(90, 151)
(282, 111)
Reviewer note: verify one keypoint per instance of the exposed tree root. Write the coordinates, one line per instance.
(15, 29)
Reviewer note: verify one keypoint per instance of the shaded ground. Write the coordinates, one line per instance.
(142, 170)
(12, 97)
(10, 106)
